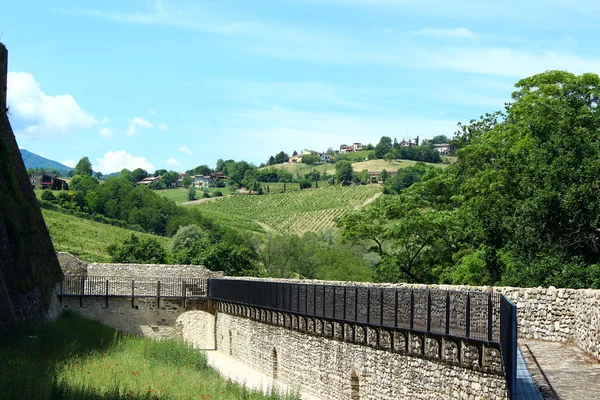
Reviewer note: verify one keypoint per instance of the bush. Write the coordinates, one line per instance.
(48, 196)
(138, 250)
(206, 194)
(218, 193)
(191, 195)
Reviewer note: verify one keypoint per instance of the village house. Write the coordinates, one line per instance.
(443, 148)
(375, 176)
(148, 180)
(351, 149)
(325, 157)
(404, 143)
(180, 178)
(42, 180)
(203, 181)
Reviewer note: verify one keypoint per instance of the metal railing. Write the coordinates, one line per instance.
(110, 286)
(487, 318)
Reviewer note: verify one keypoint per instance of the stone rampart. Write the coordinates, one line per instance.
(143, 317)
(73, 266)
(557, 315)
(333, 369)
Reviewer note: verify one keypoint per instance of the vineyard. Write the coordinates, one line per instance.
(87, 239)
(310, 210)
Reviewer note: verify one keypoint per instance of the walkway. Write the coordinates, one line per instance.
(244, 375)
(562, 370)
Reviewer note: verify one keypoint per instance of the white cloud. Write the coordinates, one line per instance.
(114, 161)
(163, 127)
(135, 124)
(441, 33)
(153, 112)
(69, 163)
(105, 132)
(171, 162)
(35, 113)
(186, 150)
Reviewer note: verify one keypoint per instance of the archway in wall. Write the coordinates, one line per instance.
(354, 386)
(274, 363)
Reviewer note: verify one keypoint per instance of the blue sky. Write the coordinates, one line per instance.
(175, 84)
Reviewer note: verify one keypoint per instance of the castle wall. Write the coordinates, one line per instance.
(29, 268)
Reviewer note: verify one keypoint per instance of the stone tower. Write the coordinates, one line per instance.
(29, 269)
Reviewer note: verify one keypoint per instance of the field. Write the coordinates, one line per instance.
(303, 169)
(180, 195)
(380, 165)
(309, 210)
(87, 239)
(74, 358)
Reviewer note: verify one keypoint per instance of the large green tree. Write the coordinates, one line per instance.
(83, 167)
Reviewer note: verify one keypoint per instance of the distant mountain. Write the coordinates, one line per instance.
(34, 161)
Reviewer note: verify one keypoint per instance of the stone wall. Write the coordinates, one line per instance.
(73, 266)
(332, 369)
(558, 315)
(143, 318)
(29, 269)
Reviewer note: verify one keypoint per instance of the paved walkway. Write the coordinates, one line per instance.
(244, 375)
(562, 370)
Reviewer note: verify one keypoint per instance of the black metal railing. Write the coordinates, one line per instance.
(110, 286)
(476, 316)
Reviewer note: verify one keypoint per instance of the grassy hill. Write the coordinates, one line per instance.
(380, 165)
(87, 239)
(297, 212)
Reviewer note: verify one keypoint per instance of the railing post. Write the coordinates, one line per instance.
(158, 294)
(106, 293)
(368, 305)
(323, 315)
(396, 308)
(132, 293)
(468, 316)
(447, 312)
(277, 296)
(412, 309)
(490, 321)
(61, 290)
(334, 302)
(314, 301)
(298, 299)
(183, 292)
(381, 307)
(428, 310)
(82, 291)
(344, 303)
(355, 303)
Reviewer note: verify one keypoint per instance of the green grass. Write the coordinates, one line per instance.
(74, 358)
(380, 165)
(180, 195)
(87, 239)
(309, 210)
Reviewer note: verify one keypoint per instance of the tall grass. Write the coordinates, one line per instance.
(74, 358)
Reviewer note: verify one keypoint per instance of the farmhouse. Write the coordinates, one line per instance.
(443, 148)
(180, 179)
(404, 143)
(351, 149)
(203, 181)
(42, 180)
(148, 181)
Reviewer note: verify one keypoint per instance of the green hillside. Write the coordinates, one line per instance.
(34, 161)
(87, 239)
(293, 212)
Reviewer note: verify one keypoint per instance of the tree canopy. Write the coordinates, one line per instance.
(521, 205)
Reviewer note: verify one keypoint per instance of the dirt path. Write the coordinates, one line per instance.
(200, 201)
(369, 201)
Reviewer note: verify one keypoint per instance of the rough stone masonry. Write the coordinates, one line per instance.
(29, 268)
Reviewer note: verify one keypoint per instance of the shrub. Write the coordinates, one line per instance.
(48, 196)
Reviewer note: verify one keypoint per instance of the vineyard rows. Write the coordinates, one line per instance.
(297, 212)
